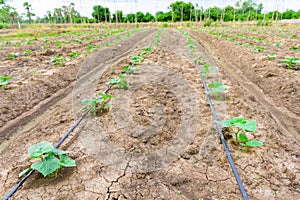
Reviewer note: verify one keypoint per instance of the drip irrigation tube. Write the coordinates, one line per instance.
(238, 180)
(20, 183)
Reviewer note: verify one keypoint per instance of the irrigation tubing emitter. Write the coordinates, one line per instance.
(20, 183)
(237, 177)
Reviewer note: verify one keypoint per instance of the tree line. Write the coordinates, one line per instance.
(178, 11)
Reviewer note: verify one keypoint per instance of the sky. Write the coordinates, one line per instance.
(85, 7)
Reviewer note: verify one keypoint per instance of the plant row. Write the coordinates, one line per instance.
(61, 60)
(52, 159)
(238, 126)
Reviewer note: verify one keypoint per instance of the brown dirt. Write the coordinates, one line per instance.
(158, 140)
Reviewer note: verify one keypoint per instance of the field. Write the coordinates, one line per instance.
(158, 138)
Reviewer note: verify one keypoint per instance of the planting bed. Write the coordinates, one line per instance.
(158, 139)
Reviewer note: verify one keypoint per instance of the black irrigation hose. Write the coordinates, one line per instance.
(20, 183)
(238, 180)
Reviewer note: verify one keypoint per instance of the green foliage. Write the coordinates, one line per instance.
(122, 84)
(271, 56)
(52, 159)
(129, 69)
(216, 87)
(99, 104)
(258, 49)
(89, 48)
(208, 23)
(27, 52)
(12, 56)
(4, 80)
(239, 126)
(291, 62)
(74, 54)
(58, 60)
(136, 60)
(101, 14)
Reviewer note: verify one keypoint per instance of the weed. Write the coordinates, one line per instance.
(52, 159)
(239, 126)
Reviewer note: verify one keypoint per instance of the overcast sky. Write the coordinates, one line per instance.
(40, 7)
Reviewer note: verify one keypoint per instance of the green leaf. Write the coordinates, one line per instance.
(66, 161)
(4, 80)
(114, 81)
(248, 126)
(59, 152)
(39, 149)
(121, 76)
(24, 172)
(254, 143)
(214, 84)
(243, 137)
(47, 166)
(92, 102)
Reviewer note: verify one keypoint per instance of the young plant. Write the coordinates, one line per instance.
(59, 60)
(239, 126)
(12, 56)
(291, 62)
(145, 51)
(89, 48)
(129, 69)
(97, 105)
(74, 54)
(258, 49)
(271, 56)
(52, 159)
(206, 68)
(119, 81)
(136, 60)
(216, 88)
(27, 52)
(4, 81)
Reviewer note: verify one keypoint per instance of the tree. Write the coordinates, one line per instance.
(101, 14)
(28, 8)
(118, 16)
(182, 11)
(149, 18)
(8, 14)
(58, 14)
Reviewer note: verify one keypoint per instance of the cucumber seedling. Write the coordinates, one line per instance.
(271, 56)
(216, 88)
(291, 62)
(58, 60)
(122, 84)
(239, 126)
(52, 159)
(136, 60)
(129, 69)
(4, 81)
(99, 104)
